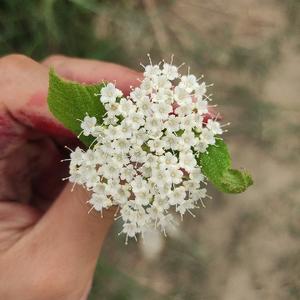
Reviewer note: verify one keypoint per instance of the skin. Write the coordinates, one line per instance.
(49, 244)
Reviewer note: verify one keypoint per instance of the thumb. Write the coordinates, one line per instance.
(71, 235)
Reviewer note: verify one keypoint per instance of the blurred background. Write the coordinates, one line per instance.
(241, 246)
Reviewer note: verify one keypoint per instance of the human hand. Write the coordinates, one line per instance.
(49, 244)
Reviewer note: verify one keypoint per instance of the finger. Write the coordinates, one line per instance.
(68, 228)
(24, 85)
(91, 71)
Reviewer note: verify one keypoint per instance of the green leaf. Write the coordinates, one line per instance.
(69, 102)
(236, 181)
(216, 166)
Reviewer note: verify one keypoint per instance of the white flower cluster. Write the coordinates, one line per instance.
(144, 155)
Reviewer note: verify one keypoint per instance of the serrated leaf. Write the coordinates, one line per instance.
(236, 181)
(69, 102)
(216, 166)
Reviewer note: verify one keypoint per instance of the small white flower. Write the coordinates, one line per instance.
(144, 106)
(173, 123)
(112, 109)
(181, 96)
(152, 71)
(153, 124)
(168, 160)
(207, 136)
(171, 141)
(200, 91)
(188, 138)
(110, 93)
(189, 83)
(170, 71)
(128, 173)
(157, 146)
(126, 107)
(147, 86)
(187, 160)
(214, 126)
(99, 202)
(202, 107)
(175, 174)
(177, 196)
(77, 156)
(88, 125)
(185, 206)
(184, 110)
(162, 110)
(136, 120)
(188, 122)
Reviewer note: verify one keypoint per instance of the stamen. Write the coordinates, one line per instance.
(149, 57)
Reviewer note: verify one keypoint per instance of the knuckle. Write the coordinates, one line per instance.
(54, 59)
(14, 60)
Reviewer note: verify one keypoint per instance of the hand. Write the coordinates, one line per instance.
(49, 244)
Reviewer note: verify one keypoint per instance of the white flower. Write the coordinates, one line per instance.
(201, 146)
(185, 206)
(121, 145)
(177, 196)
(181, 96)
(153, 124)
(187, 160)
(143, 157)
(144, 105)
(143, 197)
(136, 120)
(137, 154)
(157, 146)
(137, 94)
(161, 83)
(121, 194)
(175, 174)
(196, 175)
(125, 130)
(112, 109)
(168, 160)
(188, 83)
(184, 110)
(199, 194)
(207, 136)
(202, 107)
(128, 173)
(170, 71)
(110, 171)
(152, 71)
(214, 126)
(171, 141)
(99, 202)
(200, 91)
(188, 122)
(162, 110)
(109, 93)
(147, 86)
(77, 156)
(173, 123)
(126, 107)
(88, 125)
(188, 138)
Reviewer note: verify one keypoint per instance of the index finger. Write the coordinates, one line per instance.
(24, 86)
(91, 71)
